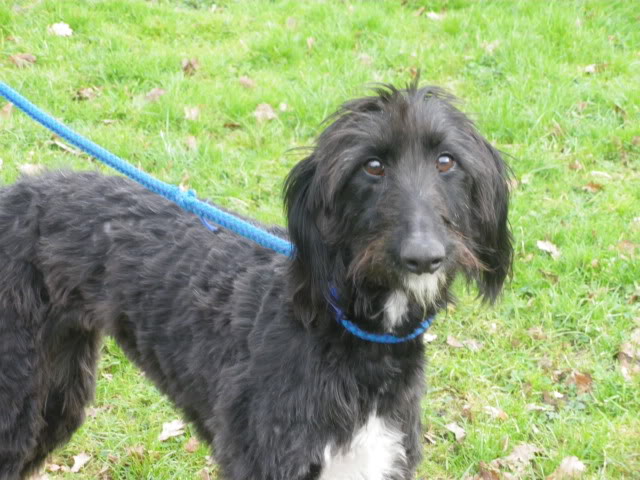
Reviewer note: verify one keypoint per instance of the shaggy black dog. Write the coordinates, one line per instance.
(399, 194)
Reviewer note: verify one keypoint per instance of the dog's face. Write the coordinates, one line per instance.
(399, 194)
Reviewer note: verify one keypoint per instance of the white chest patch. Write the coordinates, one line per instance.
(394, 308)
(375, 453)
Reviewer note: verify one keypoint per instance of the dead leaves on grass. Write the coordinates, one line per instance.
(629, 356)
(23, 60)
(60, 29)
(264, 112)
(171, 429)
(549, 248)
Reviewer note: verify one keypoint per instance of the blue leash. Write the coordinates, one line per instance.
(186, 200)
(189, 202)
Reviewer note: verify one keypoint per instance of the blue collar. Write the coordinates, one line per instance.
(376, 337)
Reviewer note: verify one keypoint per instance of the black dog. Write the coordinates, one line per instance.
(399, 194)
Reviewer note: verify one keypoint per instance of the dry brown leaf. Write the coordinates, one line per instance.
(629, 356)
(192, 142)
(190, 66)
(593, 187)
(87, 93)
(232, 125)
(60, 29)
(171, 429)
(192, 445)
(549, 248)
(486, 472)
(497, 413)
(23, 60)
(247, 82)
(576, 165)
(264, 112)
(30, 169)
(635, 140)
(154, 94)
(454, 342)
(79, 461)
(310, 42)
(6, 111)
(554, 399)
(582, 381)
(430, 438)
(537, 333)
(570, 467)
(136, 452)
(457, 431)
(519, 459)
(191, 113)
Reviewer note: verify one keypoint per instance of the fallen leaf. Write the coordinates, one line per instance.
(467, 412)
(635, 140)
(519, 459)
(486, 472)
(154, 94)
(430, 438)
(494, 412)
(429, 337)
(419, 12)
(570, 467)
(192, 142)
(593, 187)
(60, 29)
(576, 165)
(87, 93)
(457, 431)
(264, 112)
(232, 125)
(454, 342)
(552, 277)
(30, 169)
(554, 399)
(310, 42)
(190, 66)
(549, 248)
(247, 82)
(582, 106)
(204, 474)
(192, 445)
(23, 60)
(6, 111)
(595, 68)
(174, 428)
(435, 16)
(629, 356)
(136, 452)
(582, 381)
(532, 407)
(53, 467)
(191, 113)
(537, 333)
(79, 461)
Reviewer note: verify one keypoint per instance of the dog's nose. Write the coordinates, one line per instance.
(422, 256)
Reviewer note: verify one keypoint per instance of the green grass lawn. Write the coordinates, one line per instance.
(555, 85)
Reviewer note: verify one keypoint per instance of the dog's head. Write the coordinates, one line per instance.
(399, 194)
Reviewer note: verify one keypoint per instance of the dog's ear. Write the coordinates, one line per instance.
(490, 200)
(311, 264)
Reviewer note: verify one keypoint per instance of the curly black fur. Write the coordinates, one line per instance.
(240, 338)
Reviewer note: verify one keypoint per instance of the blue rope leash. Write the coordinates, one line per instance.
(189, 202)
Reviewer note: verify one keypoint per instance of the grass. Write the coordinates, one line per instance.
(573, 139)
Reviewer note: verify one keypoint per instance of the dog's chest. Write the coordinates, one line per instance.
(376, 452)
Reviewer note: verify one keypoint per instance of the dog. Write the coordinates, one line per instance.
(398, 195)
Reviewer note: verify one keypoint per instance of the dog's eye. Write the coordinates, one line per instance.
(374, 167)
(445, 162)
